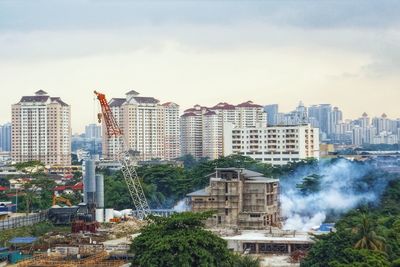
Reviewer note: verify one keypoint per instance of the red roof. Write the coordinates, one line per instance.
(76, 187)
(189, 114)
(2, 188)
(223, 105)
(248, 104)
(60, 188)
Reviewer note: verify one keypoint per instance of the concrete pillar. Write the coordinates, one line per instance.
(257, 248)
(289, 248)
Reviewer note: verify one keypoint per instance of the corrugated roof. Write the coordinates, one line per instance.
(23, 240)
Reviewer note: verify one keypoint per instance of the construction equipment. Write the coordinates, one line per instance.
(61, 199)
(125, 157)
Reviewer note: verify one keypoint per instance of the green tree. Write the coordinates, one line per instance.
(366, 235)
(181, 240)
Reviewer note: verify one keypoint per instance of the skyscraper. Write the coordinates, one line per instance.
(92, 131)
(5, 137)
(41, 130)
(272, 114)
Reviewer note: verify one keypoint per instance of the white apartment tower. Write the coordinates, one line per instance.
(202, 127)
(41, 130)
(277, 145)
(148, 127)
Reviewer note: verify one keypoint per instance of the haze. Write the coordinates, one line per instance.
(346, 53)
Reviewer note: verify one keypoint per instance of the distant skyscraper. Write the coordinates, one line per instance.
(5, 137)
(92, 131)
(41, 130)
(322, 114)
(335, 117)
(272, 114)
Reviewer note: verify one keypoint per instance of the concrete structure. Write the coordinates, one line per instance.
(269, 242)
(148, 127)
(276, 145)
(41, 130)
(202, 128)
(241, 198)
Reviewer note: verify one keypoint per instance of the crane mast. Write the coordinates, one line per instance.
(124, 157)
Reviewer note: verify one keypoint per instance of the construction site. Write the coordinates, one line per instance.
(246, 204)
(97, 236)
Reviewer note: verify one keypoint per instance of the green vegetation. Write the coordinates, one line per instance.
(37, 230)
(29, 166)
(368, 236)
(37, 195)
(181, 240)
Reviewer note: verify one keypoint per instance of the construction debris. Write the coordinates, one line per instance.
(125, 228)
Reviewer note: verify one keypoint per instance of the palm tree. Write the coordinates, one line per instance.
(368, 239)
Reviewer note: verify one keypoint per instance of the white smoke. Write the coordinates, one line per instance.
(342, 188)
(182, 206)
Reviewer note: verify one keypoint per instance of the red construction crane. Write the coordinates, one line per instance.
(113, 129)
(124, 157)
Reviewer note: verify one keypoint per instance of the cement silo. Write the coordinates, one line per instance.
(99, 191)
(99, 198)
(89, 182)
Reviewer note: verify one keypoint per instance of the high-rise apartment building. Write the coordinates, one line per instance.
(202, 127)
(41, 130)
(5, 137)
(148, 127)
(276, 145)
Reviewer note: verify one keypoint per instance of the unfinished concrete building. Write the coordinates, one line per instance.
(242, 199)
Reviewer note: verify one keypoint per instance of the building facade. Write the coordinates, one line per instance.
(148, 127)
(242, 199)
(202, 128)
(5, 137)
(41, 130)
(276, 145)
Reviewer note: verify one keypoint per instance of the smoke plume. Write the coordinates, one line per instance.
(181, 206)
(343, 185)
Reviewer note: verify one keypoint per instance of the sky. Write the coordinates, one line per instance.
(346, 53)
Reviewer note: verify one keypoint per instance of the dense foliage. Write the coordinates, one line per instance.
(368, 236)
(181, 240)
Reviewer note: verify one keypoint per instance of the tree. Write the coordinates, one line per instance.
(367, 237)
(181, 240)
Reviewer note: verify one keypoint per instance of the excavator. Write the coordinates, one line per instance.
(61, 199)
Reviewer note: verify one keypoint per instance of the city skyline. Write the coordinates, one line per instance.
(203, 53)
(82, 125)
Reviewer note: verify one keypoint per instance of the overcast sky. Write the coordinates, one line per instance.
(346, 53)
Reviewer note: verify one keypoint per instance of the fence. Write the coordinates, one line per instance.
(23, 220)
